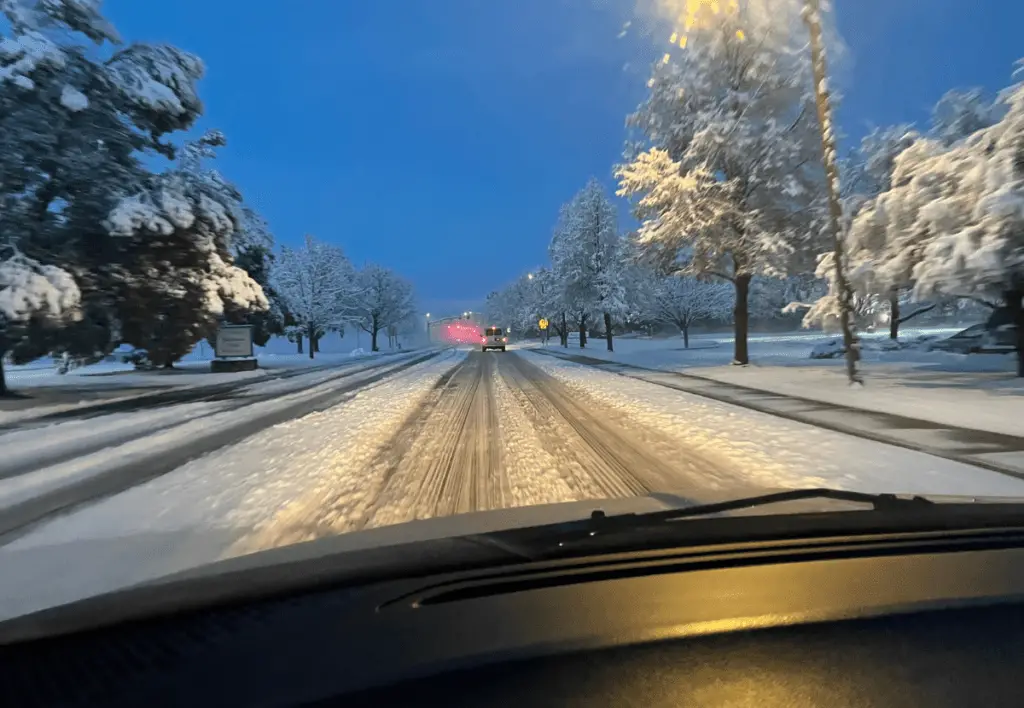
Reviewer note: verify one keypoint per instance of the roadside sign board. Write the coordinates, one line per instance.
(233, 340)
(543, 324)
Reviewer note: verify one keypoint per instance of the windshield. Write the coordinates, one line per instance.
(271, 276)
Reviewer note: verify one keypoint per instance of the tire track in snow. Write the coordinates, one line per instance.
(477, 477)
(622, 458)
(532, 471)
(453, 464)
(573, 463)
(346, 492)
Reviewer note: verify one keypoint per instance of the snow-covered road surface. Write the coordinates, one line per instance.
(462, 432)
(51, 469)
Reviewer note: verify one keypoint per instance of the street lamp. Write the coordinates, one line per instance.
(812, 18)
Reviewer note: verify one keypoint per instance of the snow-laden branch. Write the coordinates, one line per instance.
(30, 290)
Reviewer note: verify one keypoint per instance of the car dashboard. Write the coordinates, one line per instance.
(915, 619)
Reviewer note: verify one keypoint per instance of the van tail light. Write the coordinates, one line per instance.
(505, 339)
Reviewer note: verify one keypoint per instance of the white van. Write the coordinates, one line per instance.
(493, 338)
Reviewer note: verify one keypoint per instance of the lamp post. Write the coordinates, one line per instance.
(812, 18)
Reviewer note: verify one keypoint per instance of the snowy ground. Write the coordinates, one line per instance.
(972, 391)
(463, 432)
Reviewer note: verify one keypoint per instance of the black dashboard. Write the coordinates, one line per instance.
(888, 620)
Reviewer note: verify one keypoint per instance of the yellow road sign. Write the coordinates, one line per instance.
(543, 324)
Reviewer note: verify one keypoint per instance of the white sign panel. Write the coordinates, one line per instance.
(234, 340)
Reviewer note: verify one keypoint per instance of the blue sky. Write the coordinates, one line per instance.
(439, 137)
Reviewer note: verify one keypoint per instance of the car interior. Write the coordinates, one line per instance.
(788, 612)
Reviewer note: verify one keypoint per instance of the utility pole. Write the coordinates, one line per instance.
(812, 17)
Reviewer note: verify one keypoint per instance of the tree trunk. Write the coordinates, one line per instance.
(564, 333)
(3, 379)
(316, 345)
(686, 336)
(373, 334)
(311, 335)
(608, 330)
(894, 314)
(583, 332)
(741, 317)
(1016, 307)
(298, 341)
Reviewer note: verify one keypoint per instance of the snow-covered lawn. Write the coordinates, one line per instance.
(772, 451)
(972, 391)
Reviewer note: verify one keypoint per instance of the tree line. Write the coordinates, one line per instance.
(724, 175)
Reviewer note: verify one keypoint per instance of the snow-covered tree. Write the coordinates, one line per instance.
(257, 260)
(682, 300)
(956, 115)
(547, 302)
(771, 297)
(182, 281)
(960, 113)
(869, 170)
(586, 257)
(952, 223)
(32, 295)
(252, 243)
(72, 130)
(383, 299)
(732, 164)
(318, 285)
(509, 306)
(522, 303)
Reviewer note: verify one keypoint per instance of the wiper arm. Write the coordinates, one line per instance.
(879, 502)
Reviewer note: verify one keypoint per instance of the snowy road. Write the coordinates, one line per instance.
(494, 432)
(458, 432)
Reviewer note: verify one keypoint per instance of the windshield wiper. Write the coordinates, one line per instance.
(878, 502)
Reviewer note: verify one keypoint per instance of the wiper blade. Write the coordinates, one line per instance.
(878, 502)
